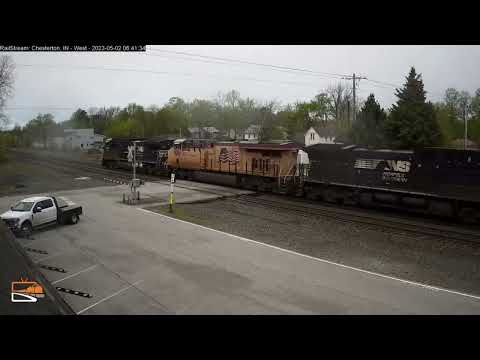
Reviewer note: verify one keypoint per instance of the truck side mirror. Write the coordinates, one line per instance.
(38, 209)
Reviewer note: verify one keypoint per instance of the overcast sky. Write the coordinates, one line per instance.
(63, 83)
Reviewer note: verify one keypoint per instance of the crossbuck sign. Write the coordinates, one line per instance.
(130, 153)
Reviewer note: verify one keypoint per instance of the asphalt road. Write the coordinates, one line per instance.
(133, 261)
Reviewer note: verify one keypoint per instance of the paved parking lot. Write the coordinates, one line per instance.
(128, 260)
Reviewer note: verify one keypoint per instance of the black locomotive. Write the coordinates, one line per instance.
(151, 153)
(444, 182)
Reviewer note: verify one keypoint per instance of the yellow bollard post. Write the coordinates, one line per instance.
(172, 180)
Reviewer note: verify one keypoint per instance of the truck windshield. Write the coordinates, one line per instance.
(23, 206)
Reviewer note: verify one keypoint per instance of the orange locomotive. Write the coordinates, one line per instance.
(270, 167)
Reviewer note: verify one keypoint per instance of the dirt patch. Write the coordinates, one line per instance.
(19, 175)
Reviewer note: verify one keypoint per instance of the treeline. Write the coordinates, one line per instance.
(411, 122)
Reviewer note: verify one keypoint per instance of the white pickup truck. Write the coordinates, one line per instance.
(38, 211)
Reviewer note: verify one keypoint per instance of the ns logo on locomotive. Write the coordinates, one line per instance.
(442, 182)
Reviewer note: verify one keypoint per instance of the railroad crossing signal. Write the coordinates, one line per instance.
(130, 153)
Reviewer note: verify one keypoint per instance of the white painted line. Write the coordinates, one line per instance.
(109, 297)
(434, 288)
(72, 275)
(83, 178)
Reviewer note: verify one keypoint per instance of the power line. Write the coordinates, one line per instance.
(84, 67)
(383, 83)
(286, 69)
(227, 63)
(224, 61)
(249, 62)
(396, 86)
(28, 108)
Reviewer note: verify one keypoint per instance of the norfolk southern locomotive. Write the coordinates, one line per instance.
(437, 181)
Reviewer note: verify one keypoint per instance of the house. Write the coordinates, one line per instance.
(83, 139)
(206, 132)
(234, 134)
(252, 133)
(319, 135)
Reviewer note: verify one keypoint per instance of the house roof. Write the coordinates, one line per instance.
(325, 131)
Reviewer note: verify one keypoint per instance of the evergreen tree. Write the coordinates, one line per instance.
(412, 120)
(369, 126)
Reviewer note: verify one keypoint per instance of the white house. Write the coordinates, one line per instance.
(207, 132)
(82, 139)
(320, 135)
(251, 133)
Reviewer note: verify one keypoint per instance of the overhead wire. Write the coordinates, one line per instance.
(216, 60)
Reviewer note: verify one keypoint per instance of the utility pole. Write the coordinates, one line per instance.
(466, 128)
(354, 88)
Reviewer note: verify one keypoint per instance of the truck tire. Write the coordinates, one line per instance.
(74, 219)
(26, 229)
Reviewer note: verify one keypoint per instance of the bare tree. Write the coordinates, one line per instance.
(7, 68)
(232, 99)
(340, 96)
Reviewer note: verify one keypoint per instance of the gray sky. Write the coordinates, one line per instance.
(42, 89)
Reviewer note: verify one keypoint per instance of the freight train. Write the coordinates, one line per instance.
(437, 181)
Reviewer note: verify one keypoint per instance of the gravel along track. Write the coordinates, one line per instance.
(393, 224)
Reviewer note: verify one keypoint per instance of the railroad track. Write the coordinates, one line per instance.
(347, 215)
(400, 225)
(66, 166)
(119, 174)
